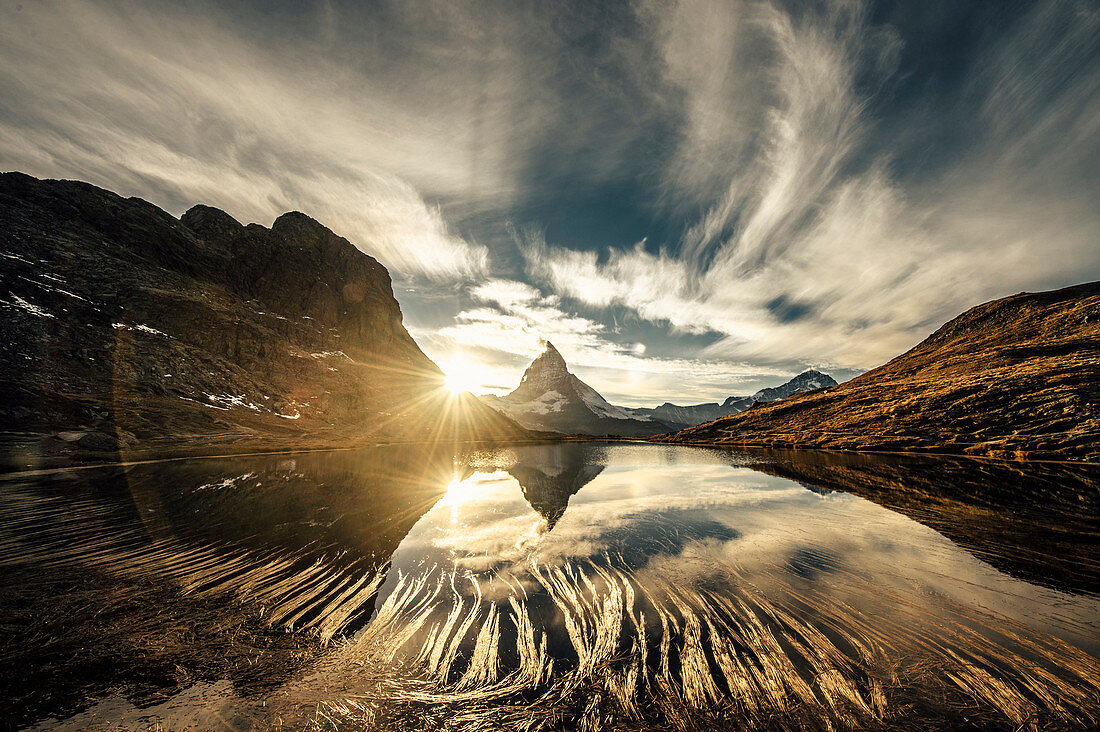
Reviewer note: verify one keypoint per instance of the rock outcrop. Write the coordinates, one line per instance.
(129, 331)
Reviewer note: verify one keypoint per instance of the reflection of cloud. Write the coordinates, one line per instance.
(680, 510)
(672, 571)
(486, 521)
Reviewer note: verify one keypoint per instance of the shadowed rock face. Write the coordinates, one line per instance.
(128, 329)
(1017, 377)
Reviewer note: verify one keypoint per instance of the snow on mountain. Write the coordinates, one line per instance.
(549, 397)
(600, 406)
(806, 381)
(679, 417)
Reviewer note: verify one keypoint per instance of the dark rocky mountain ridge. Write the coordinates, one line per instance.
(128, 331)
(1017, 377)
(810, 380)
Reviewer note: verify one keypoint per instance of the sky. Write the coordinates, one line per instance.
(690, 199)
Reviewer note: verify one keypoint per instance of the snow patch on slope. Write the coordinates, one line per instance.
(139, 327)
(30, 307)
(599, 406)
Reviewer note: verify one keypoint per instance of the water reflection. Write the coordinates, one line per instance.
(146, 578)
(549, 475)
(1035, 521)
(681, 582)
(554, 586)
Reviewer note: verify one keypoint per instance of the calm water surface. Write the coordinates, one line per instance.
(552, 586)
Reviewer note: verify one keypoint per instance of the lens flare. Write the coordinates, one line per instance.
(461, 376)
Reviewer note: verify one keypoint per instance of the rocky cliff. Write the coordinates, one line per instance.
(1016, 377)
(128, 330)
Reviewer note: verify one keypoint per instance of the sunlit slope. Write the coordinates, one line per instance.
(1016, 377)
(126, 328)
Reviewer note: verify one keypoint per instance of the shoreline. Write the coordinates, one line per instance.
(87, 460)
(932, 451)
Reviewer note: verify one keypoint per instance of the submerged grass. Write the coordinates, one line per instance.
(643, 652)
(72, 636)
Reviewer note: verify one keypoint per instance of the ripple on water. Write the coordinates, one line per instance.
(592, 586)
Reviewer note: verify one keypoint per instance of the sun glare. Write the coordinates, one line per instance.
(461, 376)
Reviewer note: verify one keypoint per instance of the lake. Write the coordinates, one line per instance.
(547, 586)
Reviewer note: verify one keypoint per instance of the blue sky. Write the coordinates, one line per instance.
(690, 199)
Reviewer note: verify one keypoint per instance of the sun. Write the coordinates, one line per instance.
(461, 376)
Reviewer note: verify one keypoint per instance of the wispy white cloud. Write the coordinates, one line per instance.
(514, 319)
(175, 106)
(815, 248)
(806, 229)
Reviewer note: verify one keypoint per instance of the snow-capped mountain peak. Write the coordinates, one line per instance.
(549, 397)
(546, 373)
(806, 381)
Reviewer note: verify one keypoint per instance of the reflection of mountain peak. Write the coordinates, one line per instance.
(549, 494)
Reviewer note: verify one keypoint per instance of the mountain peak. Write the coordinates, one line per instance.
(297, 224)
(549, 397)
(548, 368)
(207, 222)
(550, 356)
(808, 380)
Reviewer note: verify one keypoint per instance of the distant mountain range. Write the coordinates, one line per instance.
(549, 397)
(128, 330)
(1017, 377)
(679, 417)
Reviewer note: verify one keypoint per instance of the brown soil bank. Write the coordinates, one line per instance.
(1013, 378)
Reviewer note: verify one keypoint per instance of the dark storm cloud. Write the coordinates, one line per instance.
(732, 189)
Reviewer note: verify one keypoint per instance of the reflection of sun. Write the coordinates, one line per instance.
(461, 376)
